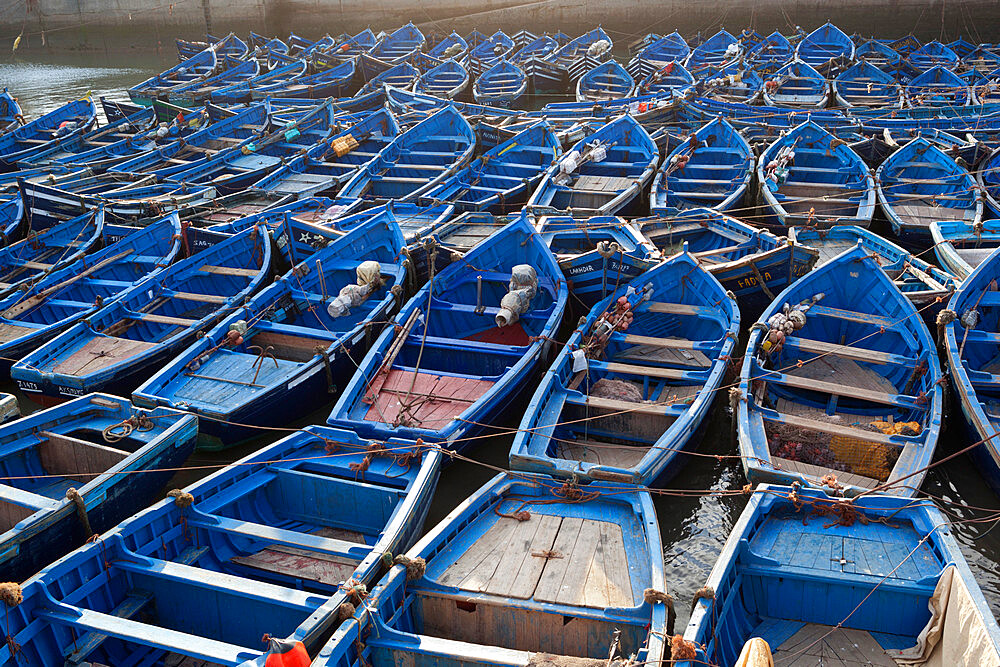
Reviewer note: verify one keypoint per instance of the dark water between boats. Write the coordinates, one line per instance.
(693, 526)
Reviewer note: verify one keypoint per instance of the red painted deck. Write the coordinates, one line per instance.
(512, 335)
(434, 400)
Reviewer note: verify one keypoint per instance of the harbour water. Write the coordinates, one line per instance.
(695, 513)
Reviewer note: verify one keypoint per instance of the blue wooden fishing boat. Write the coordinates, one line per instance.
(864, 85)
(426, 154)
(718, 49)
(932, 54)
(734, 82)
(300, 46)
(463, 348)
(878, 564)
(602, 174)
(919, 281)
(796, 84)
(879, 54)
(197, 68)
(235, 169)
(607, 81)
(666, 49)
(500, 85)
(840, 384)
(400, 75)
(349, 48)
(47, 249)
(580, 54)
(124, 342)
(233, 132)
(623, 399)
(962, 47)
(11, 115)
(751, 263)
(306, 327)
(63, 124)
(275, 78)
(130, 204)
(281, 544)
(540, 47)
(501, 179)
(810, 178)
(516, 607)
(918, 185)
(65, 474)
(671, 79)
(771, 53)
(35, 315)
(961, 246)
(489, 52)
(906, 44)
(596, 255)
(333, 162)
(938, 87)
(712, 168)
(983, 59)
(970, 343)
(447, 80)
(401, 42)
(197, 92)
(335, 81)
(96, 147)
(825, 48)
(452, 47)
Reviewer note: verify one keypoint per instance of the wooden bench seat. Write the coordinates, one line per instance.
(229, 271)
(848, 351)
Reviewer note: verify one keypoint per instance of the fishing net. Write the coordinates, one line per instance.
(836, 452)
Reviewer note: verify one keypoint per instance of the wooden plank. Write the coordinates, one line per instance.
(674, 343)
(674, 308)
(301, 564)
(99, 353)
(64, 455)
(847, 351)
(517, 554)
(645, 371)
(608, 582)
(832, 647)
(818, 472)
(229, 271)
(550, 582)
(573, 588)
(851, 316)
(629, 406)
(478, 552)
(838, 429)
(524, 584)
(837, 389)
(164, 319)
(201, 298)
(601, 453)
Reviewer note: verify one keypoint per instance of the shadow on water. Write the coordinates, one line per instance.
(694, 528)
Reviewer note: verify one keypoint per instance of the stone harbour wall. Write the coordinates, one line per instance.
(145, 24)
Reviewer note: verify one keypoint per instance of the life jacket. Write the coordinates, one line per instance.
(282, 653)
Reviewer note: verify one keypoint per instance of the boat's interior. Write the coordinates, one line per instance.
(611, 413)
(595, 184)
(715, 169)
(565, 581)
(923, 185)
(269, 543)
(863, 369)
(451, 356)
(276, 346)
(148, 318)
(823, 181)
(799, 565)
